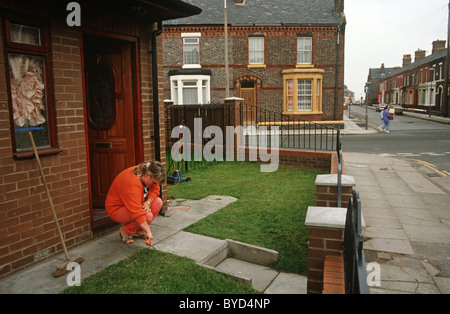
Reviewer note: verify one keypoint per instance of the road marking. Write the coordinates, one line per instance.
(432, 154)
(430, 166)
(409, 154)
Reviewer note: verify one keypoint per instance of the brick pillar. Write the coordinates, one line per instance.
(326, 234)
(234, 103)
(326, 190)
(235, 110)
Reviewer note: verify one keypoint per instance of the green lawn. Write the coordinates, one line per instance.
(270, 211)
(154, 272)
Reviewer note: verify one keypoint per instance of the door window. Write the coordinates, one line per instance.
(101, 100)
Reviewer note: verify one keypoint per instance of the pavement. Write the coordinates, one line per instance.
(407, 235)
(407, 216)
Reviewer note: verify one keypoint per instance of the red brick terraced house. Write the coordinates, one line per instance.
(420, 84)
(284, 55)
(86, 79)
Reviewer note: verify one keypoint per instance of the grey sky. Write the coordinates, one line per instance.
(382, 31)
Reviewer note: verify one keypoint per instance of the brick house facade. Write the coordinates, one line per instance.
(419, 84)
(284, 55)
(52, 76)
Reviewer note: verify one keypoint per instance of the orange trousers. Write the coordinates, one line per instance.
(130, 226)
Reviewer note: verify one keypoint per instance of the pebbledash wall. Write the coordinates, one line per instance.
(280, 54)
(268, 80)
(28, 233)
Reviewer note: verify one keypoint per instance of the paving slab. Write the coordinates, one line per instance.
(190, 245)
(428, 233)
(443, 283)
(288, 284)
(418, 183)
(261, 276)
(389, 245)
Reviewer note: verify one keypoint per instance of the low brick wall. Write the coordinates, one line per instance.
(327, 190)
(333, 275)
(326, 235)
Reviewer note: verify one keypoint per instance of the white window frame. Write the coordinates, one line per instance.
(255, 52)
(190, 37)
(202, 84)
(304, 55)
(308, 97)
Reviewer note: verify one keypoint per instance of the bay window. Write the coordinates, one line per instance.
(190, 89)
(302, 91)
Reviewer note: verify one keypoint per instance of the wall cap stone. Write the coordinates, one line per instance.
(331, 180)
(326, 217)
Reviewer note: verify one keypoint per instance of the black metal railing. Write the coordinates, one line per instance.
(339, 174)
(354, 259)
(292, 131)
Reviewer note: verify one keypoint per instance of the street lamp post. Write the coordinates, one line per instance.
(366, 90)
(227, 88)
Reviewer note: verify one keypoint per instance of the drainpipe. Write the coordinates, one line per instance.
(336, 90)
(156, 136)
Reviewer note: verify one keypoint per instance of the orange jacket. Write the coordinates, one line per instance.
(127, 190)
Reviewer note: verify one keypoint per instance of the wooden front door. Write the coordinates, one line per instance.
(248, 93)
(110, 113)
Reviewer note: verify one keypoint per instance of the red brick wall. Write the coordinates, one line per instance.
(333, 275)
(322, 242)
(28, 232)
(326, 196)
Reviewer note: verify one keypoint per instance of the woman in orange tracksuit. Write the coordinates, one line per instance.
(133, 199)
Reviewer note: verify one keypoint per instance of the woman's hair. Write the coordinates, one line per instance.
(154, 169)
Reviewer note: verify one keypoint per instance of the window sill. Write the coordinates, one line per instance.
(302, 112)
(191, 66)
(255, 66)
(304, 66)
(41, 152)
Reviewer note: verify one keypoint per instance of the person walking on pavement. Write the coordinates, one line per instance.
(386, 117)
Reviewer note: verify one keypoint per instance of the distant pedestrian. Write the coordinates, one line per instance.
(386, 117)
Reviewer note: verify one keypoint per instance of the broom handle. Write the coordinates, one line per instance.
(48, 196)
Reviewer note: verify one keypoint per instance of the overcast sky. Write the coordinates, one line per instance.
(382, 31)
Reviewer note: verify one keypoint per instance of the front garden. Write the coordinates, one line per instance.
(270, 212)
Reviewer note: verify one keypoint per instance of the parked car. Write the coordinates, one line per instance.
(398, 109)
(380, 107)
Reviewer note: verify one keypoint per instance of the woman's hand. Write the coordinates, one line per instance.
(146, 205)
(148, 234)
(149, 237)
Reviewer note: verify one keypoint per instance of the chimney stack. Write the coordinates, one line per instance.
(420, 54)
(339, 6)
(438, 45)
(406, 60)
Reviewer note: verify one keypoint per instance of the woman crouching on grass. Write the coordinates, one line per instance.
(133, 199)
